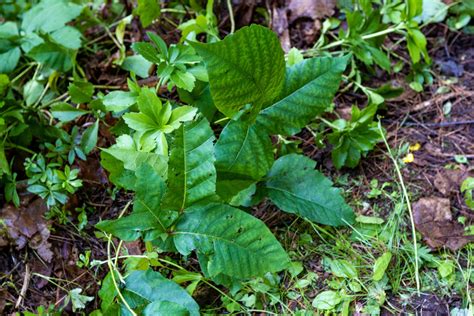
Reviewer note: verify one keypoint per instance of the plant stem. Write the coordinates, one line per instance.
(231, 17)
(112, 275)
(410, 212)
(364, 37)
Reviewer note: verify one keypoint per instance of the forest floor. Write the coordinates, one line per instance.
(436, 126)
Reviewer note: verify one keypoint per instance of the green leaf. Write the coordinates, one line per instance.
(50, 15)
(32, 91)
(147, 220)
(148, 10)
(9, 60)
(165, 308)
(138, 64)
(327, 300)
(191, 171)
(79, 301)
(243, 156)
(295, 187)
(107, 292)
(183, 79)
(342, 268)
(4, 83)
(237, 244)
(89, 138)
(246, 67)
(81, 92)
(118, 101)
(434, 11)
(151, 286)
(67, 36)
(52, 55)
(148, 51)
(65, 112)
(445, 268)
(8, 30)
(308, 91)
(4, 165)
(132, 158)
(200, 98)
(381, 265)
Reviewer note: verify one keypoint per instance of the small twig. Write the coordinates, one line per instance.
(440, 124)
(442, 98)
(24, 288)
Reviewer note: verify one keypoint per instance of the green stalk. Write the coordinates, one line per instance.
(407, 201)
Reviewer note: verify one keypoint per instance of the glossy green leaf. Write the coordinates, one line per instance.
(246, 67)
(295, 187)
(236, 243)
(244, 155)
(67, 36)
(151, 286)
(118, 101)
(66, 112)
(308, 91)
(138, 64)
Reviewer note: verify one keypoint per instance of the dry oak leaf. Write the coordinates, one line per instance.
(433, 219)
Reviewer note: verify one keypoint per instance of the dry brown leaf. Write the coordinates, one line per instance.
(447, 181)
(26, 226)
(433, 219)
(312, 9)
(280, 26)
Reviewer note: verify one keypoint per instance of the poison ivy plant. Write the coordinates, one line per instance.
(244, 150)
(182, 194)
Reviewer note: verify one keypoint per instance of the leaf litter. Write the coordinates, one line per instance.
(26, 226)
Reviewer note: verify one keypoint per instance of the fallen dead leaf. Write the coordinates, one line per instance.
(280, 26)
(26, 226)
(447, 181)
(313, 9)
(433, 219)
